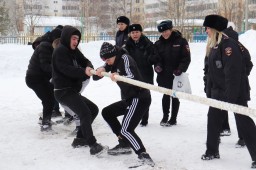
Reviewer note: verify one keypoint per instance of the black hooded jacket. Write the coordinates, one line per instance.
(141, 52)
(121, 37)
(69, 65)
(40, 62)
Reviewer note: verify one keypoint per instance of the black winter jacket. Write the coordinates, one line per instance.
(69, 65)
(171, 54)
(121, 37)
(40, 62)
(227, 80)
(142, 52)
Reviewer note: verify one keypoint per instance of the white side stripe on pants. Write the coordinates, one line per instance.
(126, 122)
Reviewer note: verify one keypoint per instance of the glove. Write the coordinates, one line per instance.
(158, 69)
(177, 72)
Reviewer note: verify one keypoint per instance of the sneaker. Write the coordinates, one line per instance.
(253, 165)
(46, 128)
(79, 142)
(164, 121)
(143, 124)
(96, 149)
(210, 156)
(40, 120)
(121, 148)
(74, 132)
(240, 143)
(56, 113)
(146, 159)
(171, 123)
(225, 132)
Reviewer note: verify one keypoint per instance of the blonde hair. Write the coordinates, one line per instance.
(214, 40)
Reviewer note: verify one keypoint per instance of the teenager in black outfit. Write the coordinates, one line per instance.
(227, 81)
(39, 73)
(173, 53)
(134, 105)
(122, 33)
(70, 69)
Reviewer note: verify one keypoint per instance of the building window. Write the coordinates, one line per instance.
(137, 1)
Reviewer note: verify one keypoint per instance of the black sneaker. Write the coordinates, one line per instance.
(164, 121)
(46, 128)
(119, 149)
(171, 123)
(79, 142)
(143, 124)
(56, 113)
(253, 165)
(240, 143)
(225, 132)
(96, 149)
(146, 159)
(210, 156)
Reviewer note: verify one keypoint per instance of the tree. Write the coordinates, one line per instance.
(32, 13)
(4, 19)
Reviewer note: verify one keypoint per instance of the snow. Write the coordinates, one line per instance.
(24, 147)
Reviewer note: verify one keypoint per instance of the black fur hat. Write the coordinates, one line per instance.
(165, 25)
(216, 21)
(134, 27)
(123, 19)
(56, 32)
(107, 50)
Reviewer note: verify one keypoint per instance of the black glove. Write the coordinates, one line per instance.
(158, 69)
(177, 72)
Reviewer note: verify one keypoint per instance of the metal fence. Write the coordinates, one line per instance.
(25, 39)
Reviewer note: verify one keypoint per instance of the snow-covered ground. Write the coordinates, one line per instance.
(24, 147)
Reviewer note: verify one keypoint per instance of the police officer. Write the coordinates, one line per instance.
(227, 81)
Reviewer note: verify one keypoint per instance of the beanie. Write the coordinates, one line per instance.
(123, 19)
(164, 25)
(134, 27)
(107, 50)
(216, 21)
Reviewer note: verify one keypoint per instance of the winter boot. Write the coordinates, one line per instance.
(253, 165)
(164, 120)
(171, 122)
(96, 149)
(146, 159)
(240, 143)
(208, 156)
(56, 113)
(122, 148)
(79, 142)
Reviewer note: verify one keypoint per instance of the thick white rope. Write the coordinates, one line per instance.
(203, 100)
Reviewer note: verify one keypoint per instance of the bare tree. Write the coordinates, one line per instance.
(4, 19)
(31, 11)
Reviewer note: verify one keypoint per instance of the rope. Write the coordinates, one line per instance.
(197, 99)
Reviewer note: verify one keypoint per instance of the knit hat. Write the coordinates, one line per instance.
(164, 25)
(216, 21)
(134, 27)
(123, 19)
(107, 50)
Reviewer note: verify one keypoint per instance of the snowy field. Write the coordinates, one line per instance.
(24, 147)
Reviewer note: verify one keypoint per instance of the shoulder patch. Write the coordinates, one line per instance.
(228, 51)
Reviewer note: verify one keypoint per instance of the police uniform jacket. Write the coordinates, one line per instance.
(172, 53)
(227, 79)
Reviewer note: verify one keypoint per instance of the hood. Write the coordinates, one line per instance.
(66, 34)
(231, 33)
